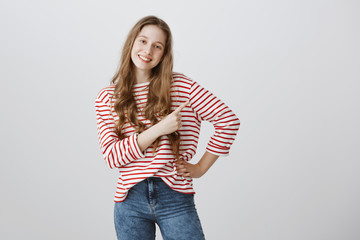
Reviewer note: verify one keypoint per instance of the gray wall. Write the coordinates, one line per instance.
(289, 69)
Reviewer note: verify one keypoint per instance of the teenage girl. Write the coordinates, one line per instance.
(149, 122)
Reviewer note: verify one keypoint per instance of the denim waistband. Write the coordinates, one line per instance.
(156, 179)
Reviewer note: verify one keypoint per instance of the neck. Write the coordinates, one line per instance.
(142, 76)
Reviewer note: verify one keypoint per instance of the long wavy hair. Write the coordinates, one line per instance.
(158, 100)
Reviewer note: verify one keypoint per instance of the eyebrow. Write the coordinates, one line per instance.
(155, 41)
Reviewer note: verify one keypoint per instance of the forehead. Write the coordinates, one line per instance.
(153, 33)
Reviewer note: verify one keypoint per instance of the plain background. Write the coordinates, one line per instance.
(290, 70)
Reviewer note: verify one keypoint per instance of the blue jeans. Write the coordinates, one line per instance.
(153, 201)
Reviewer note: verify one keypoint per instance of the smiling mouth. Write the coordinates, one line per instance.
(144, 58)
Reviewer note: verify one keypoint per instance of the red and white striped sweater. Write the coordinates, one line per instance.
(134, 165)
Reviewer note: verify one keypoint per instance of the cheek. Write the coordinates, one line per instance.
(134, 52)
(159, 56)
(135, 49)
(133, 56)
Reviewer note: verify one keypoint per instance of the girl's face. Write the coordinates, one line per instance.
(148, 48)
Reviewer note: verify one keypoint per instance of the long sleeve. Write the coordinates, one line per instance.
(210, 108)
(116, 152)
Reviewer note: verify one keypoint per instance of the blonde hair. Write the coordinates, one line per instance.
(158, 99)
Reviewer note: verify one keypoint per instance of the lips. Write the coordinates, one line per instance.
(145, 59)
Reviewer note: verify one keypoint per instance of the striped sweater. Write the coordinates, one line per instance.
(134, 165)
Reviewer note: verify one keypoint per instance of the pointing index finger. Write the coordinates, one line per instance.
(182, 106)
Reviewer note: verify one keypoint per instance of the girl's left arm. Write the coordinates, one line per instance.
(210, 108)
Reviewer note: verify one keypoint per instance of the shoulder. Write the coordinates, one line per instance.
(106, 93)
(182, 79)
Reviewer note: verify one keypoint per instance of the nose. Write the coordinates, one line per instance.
(148, 49)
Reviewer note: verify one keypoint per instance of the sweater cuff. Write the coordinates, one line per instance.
(135, 147)
(218, 152)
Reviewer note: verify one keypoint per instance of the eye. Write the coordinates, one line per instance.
(158, 46)
(142, 41)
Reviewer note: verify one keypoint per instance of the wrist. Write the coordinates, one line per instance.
(202, 170)
(157, 130)
(207, 160)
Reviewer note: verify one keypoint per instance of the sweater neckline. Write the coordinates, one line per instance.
(141, 84)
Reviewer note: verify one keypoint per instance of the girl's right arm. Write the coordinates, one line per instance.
(116, 153)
